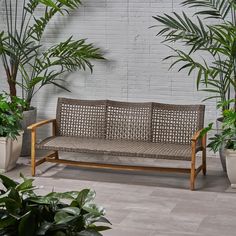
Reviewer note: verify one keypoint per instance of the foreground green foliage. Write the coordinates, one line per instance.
(22, 50)
(24, 213)
(208, 47)
(10, 115)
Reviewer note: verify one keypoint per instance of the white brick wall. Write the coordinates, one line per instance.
(134, 70)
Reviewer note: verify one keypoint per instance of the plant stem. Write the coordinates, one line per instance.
(16, 11)
(11, 20)
(22, 19)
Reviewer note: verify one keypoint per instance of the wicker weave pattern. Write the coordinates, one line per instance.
(153, 122)
(118, 147)
(130, 121)
(176, 123)
(81, 118)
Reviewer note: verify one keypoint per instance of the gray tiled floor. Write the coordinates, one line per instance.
(150, 204)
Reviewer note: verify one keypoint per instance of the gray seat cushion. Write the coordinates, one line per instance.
(117, 147)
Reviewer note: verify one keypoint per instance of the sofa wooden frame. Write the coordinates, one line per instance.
(53, 156)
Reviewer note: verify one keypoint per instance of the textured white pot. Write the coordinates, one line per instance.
(9, 152)
(222, 147)
(29, 117)
(231, 166)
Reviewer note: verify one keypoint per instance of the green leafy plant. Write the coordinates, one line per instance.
(23, 212)
(10, 115)
(216, 70)
(227, 136)
(22, 51)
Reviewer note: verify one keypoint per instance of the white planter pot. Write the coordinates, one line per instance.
(29, 117)
(231, 166)
(222, 147)
(10, 152)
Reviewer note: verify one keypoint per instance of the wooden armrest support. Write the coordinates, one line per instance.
(40, 123)
(196, 135)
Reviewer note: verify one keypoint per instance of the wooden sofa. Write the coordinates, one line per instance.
(148, 130)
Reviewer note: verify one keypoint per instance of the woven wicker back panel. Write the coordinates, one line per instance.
(176, 123)
(81, 118)
(130, 121)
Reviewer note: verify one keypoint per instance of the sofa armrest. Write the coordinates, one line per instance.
(33, 128)
(202, 142)
(40, 123)
(197, 135)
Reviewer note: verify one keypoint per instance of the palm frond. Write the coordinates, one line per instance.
(67, 56)
(181, 28)
(37, 29)
(218, 9)
(71, 4)
(3, 40)
(187, 62)
(31, 6)
(53, 7)
(73, 55)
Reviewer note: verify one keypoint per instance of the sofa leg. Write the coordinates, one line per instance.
(204, 162)
(33, 141)
(204, 155)
(56, 155)
(193, 167)
(192, 179)
(32, 168)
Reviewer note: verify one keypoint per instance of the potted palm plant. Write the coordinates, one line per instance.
(10, 131)
(28, 63)
(215, 39)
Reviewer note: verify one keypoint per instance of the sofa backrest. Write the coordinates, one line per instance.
(176, 123)
(129, 121)
(81, 118)
(153, 122)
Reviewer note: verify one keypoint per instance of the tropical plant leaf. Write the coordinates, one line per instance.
(181, 28)
(27, 225)
(44, 227)
(89, 232)
(85, 196)
(7, 221)
(62, 217)
(26, 185)
(217, 9)
(71, 210)
(100, 228)
(66, 195)
(7, 182)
